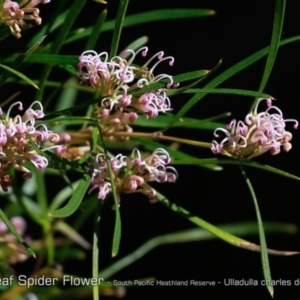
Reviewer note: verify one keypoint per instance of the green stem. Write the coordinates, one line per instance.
(95, 265)
(160, 136)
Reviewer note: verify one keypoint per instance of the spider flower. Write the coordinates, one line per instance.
(16, 15)
(19, 139)
(114, 79)
(132, 174)
(259, 133)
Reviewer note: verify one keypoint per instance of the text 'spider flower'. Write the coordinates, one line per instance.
(19, 138)
(15, 15)
(260, 133)
(132, 174)
(115, 79)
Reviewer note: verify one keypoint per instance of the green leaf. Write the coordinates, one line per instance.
(21, 75)
(96, 30)
(17, 62)
(221, 234)
(51, 59)
(226, 75)
(176, 79)
(175, 154)
(144, 17)
(118, 27)
(95, 263)
(275, 42)
(116, 196)
(193, 235)
(15, 233)
(137, 44)
(75, 9)
(61, 163)
(75, 200)
(262, 238)
(230, 92)
(224, 161)
(162, 120)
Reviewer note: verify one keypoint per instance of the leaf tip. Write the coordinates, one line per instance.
(212, 12)
(271, 290)
(218, 168)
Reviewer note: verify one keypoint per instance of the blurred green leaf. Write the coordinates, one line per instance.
(75, 200)
(229, 92)
(275, 42)
(224, 161)
(75, 9)
(175, 154)
(137, 44)
(194, 235)
(221, 234)
(22, 76)
(96, 30)
(145, 17)
(262, 238)
(118, 27)
(15, 233)
(226, 75)
(162, 120)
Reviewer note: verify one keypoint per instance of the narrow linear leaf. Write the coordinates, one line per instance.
(75, 200)
(51, 59)
(193, 235)
(249, 163)
(75, 9)
(96, 30)
(17, 61)
(230, 92)
(176, 79)
(248, 61)
(118, 227)
(118, 27)
(72, 234)
(274, 45)
(137, 44)
(197, 82)
(262, 238)
(175, 154)
(15, 232)
(221, 234)
(22, 76)
(95, 262)
(162, 120)
(144, 17)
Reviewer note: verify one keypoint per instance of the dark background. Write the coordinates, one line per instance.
(237, 30)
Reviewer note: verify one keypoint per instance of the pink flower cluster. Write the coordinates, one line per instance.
(260, 133)
(15, 15)
(116, 78)
(131, 174)
(19, 137)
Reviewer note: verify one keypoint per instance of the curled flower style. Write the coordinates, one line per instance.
(116, 78)
(132, 174)
(259, 133)
(15, 15)
(19, 138)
